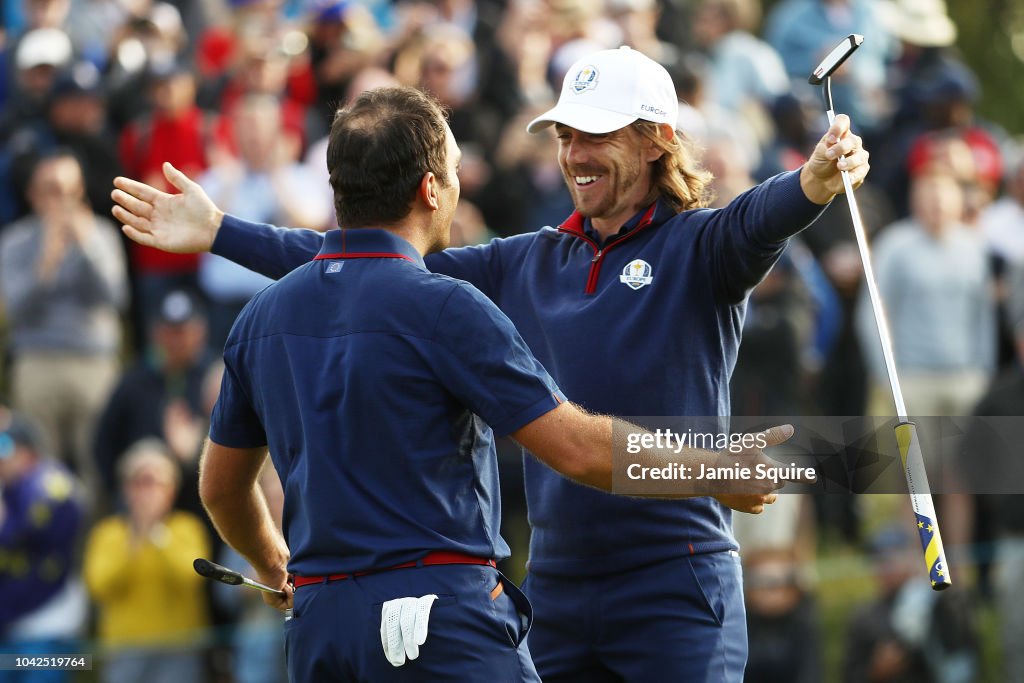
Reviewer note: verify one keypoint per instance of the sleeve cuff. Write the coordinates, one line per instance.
(529, 414)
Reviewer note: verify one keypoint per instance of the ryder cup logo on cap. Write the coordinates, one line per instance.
(586, 79)
(609, 90)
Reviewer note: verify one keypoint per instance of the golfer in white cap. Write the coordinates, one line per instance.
(635, 304)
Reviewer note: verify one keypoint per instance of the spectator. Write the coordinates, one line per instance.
(638, 21)
(953, 131)
(794, 120)
(770, 377)
(44, 605)
(782, 620)
(524, 167)
(442, 60)
(706, 122)
(926, 35)
(746, 73)
(177, 131)
(1002, 514)
(1002, 223)
(909, 634)
(803, 32)
(138, 568)
(164, 385)
(38, 55)
(266, 183)
(142, 43)
(37, 59)
(264, 67)
(77, 120)
(933, 277)
(344, 40)
(64, 282)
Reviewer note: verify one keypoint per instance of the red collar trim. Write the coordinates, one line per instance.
(574, 223)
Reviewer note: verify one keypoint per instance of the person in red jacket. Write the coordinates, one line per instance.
(177, 129)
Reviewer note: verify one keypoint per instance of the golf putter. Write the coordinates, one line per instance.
(906, 431)
(214, 571)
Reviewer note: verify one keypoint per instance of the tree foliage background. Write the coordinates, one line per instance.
(991, 39)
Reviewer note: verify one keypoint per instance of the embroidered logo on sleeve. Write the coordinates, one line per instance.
(334, 266)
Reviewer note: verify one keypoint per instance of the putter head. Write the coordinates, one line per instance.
(835, 58)
(216, 572)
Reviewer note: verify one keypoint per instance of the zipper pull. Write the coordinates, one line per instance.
(597, 256)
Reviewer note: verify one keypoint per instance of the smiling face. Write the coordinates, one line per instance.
(609, 175)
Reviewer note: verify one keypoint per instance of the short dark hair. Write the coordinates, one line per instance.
(379, 149)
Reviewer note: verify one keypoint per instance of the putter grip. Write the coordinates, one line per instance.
(212, 570)
(924, 509)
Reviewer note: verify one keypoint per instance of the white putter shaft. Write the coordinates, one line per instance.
(906, 432)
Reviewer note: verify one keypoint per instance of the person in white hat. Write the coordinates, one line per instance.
(635, 304)
(38, 57)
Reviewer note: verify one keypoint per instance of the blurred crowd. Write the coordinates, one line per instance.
(111, 362)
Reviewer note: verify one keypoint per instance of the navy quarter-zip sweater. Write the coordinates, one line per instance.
(664, 348)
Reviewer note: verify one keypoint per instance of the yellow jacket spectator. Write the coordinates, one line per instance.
(138, 568)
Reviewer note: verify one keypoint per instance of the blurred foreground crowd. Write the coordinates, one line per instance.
(111, 360)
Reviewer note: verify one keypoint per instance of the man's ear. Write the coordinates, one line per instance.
(667, 133)
(428, 190)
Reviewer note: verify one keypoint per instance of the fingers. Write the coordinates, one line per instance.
(846, 146)
(280, 602)
(176, 177)
(750, 503)
(137, 236)
(408, 626)
(778, 434)
(132, 204)
(143, 191)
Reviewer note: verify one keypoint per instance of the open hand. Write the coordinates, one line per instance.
(183, 223)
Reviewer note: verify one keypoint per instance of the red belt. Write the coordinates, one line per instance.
(434, 558)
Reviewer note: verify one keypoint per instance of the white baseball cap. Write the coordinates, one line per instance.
(43, 46)
(611, 89)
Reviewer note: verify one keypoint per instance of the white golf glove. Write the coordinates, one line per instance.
(403, 627)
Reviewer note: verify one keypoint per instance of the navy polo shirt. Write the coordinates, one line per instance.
(373, 382)
(647, 323)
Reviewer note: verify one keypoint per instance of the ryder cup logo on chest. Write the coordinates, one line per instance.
(586, 79)
(636, 274)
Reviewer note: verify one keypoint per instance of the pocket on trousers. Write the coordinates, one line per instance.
(443, 600)
(303, 600)
(707, 579)
(518, 615)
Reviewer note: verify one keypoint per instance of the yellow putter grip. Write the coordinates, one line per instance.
(924, 509)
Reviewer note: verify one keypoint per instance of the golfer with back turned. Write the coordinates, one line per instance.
(370, 379)
(635, 305)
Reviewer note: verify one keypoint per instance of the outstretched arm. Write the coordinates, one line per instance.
(190, 222)
(747, 237)
(580, 446)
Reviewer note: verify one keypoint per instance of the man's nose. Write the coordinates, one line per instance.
(577, 151)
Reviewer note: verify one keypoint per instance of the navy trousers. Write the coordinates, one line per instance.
(677, 621)
(475, 633)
